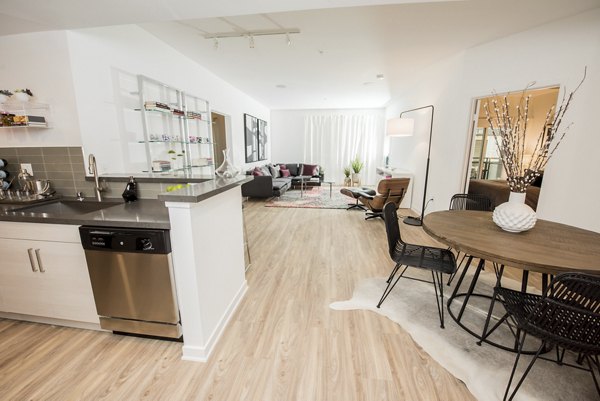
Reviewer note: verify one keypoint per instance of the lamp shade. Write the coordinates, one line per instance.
(400, 127)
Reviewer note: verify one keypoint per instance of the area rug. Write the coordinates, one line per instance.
(313, 197)
(484, 369)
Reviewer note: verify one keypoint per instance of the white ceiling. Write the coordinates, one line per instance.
(332, 63)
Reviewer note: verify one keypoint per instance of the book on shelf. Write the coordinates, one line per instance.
(156, 106)
(193, 115)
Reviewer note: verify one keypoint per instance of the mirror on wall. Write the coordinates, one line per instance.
(485, 163)
(484, 172)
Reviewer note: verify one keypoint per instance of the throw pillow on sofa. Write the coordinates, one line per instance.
(310, 170)
(257, 172)
(265, 170)
(274, 170)
(285, 172)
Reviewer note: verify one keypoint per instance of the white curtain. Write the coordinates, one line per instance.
(333, 141)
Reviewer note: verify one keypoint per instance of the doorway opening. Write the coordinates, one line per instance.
(219, 130)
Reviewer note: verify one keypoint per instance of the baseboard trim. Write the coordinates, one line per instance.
(51, 321)
(201, 354)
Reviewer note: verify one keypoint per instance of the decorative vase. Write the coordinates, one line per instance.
(514, 216)
(356, 179)
(227, 169)
(347, 182)
(21, 97)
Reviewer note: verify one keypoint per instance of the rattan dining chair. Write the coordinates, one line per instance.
(468, 202)
(437, 260)
(566, 316)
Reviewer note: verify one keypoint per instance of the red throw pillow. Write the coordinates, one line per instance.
(283, 166)
(310, 169)
(257, 172)
(285, 173)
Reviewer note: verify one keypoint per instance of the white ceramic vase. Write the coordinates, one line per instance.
(347, 182)
(21, 97)
(356, 179)
(227, 169)
(514, 216)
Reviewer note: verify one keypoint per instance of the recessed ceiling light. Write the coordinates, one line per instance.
(379, 76)
(280, 86)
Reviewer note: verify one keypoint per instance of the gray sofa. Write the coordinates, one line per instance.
(267, 186)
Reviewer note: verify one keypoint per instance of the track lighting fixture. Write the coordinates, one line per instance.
(250, 35)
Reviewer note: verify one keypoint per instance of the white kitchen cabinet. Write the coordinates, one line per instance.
(43, 275)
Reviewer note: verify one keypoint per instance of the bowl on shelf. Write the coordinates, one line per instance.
(22, 97)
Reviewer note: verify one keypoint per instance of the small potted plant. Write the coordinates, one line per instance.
(357, 165)
(4, 95)
(347, 180)
(23, 95)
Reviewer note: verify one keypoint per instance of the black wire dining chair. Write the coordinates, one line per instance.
(468, 202)
(437, 260)
(566, 316)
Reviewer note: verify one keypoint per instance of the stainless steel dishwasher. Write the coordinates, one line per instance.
(132, 279)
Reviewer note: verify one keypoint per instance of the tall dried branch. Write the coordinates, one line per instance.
(510, 134)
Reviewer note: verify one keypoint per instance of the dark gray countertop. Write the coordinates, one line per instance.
(144, 213)
(180, 177)
(198, 192)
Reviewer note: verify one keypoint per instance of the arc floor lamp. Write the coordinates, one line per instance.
(404, 127)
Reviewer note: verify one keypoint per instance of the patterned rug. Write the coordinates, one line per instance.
(313, 197)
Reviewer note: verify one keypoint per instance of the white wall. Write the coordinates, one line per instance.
(552, 54)
(287, 144)
(100, 53)
(40, 62)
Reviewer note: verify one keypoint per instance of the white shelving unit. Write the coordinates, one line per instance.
(177, 133)
(24, 115)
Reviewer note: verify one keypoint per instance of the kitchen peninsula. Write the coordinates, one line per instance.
(205, 222)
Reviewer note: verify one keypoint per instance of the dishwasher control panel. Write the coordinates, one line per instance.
(125, 240)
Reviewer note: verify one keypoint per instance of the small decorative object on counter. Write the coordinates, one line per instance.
(227, 169)
(509, 126)
(26, 181)
(130, 193)
(4, 95)
(23, 95)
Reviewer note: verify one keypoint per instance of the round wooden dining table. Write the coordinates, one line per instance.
(549, 248)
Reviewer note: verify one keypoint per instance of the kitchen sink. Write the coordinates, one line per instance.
(66, 207)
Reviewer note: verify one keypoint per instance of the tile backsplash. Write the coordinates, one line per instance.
(63, 166)
(65, 169)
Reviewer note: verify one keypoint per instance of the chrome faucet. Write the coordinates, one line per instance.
(93, 169)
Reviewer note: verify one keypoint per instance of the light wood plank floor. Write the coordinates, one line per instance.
(283, 344)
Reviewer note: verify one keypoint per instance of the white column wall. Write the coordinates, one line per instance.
(208, 263)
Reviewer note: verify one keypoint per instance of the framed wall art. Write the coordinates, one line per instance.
(251, 138)
(262, 139)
